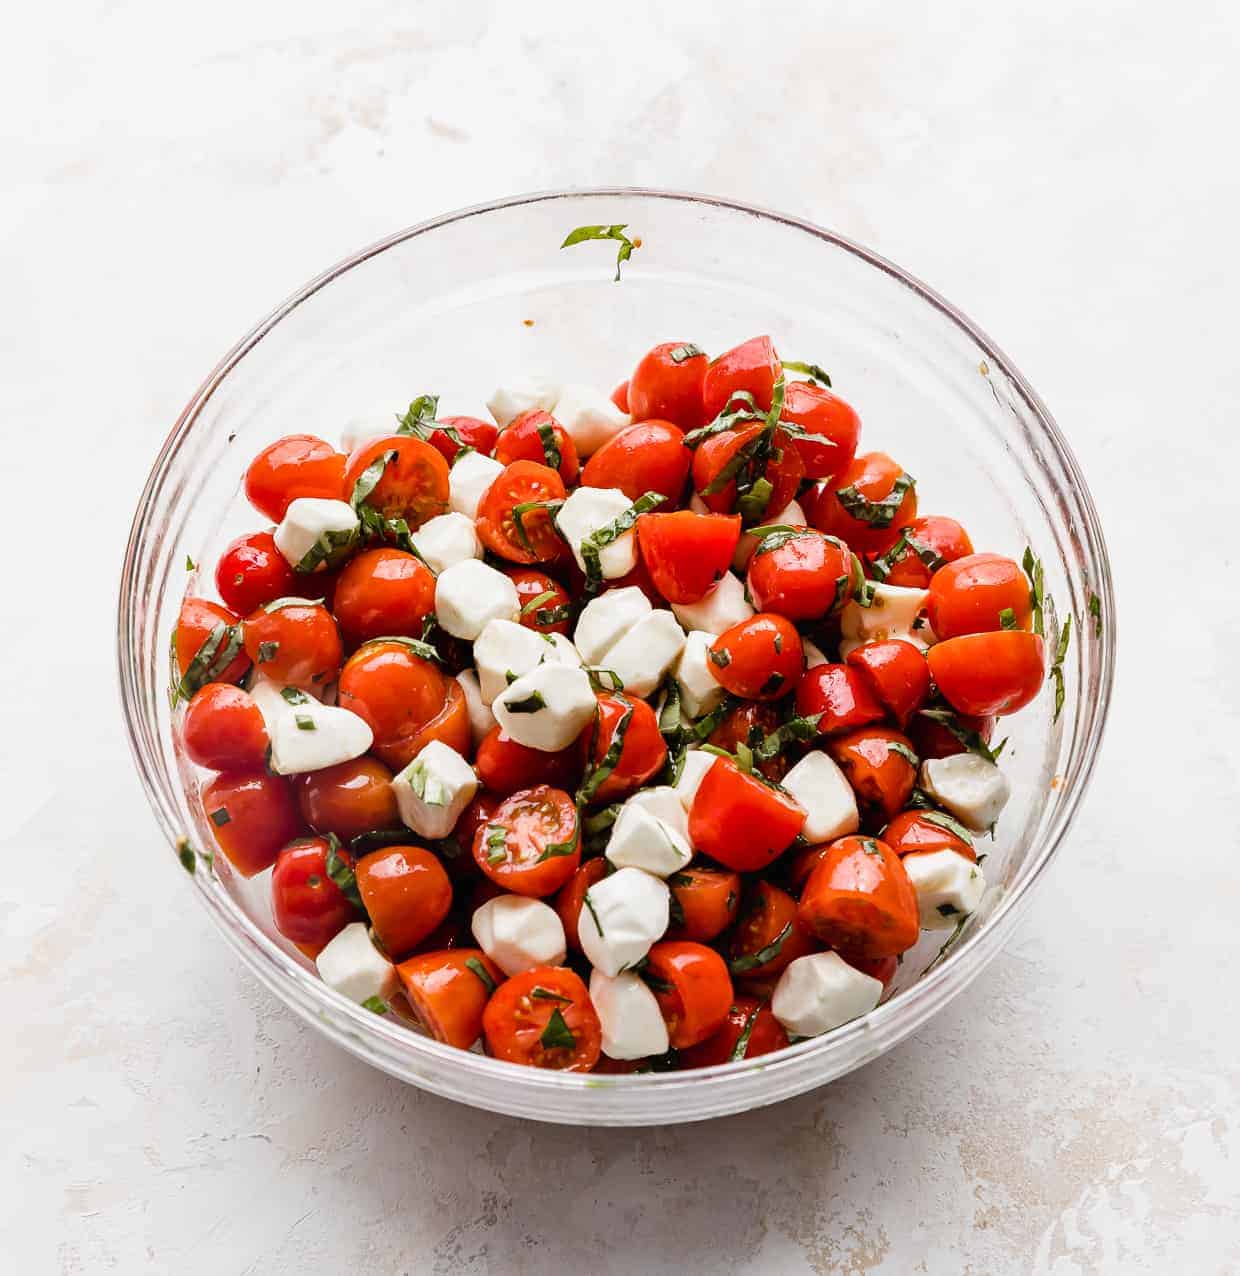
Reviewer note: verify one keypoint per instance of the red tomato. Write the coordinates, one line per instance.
(306, 905)
(693, 989)
(880, 765)
(932, 739)
(414, 483)
(536, 540)
(348, 799)
(881, 968)
(639, 577)
(538, 436)
(504, 766)
(866, 485)
(985, 674)
(224, 730)
(804, 576)
(747, 1018)
(383, 592)
(783, 471)
(544, 1018)
(667, 384)
(970, 596)
(569, 899)
(802, 863)
(295, 466)
(406, 893)
(449, 992)
(942, 540)
(252, 816)
(642, 749)
(297, 644)
(841, 695)
(829, 418)
(750, 723)
(860, 900)
(532, 842)
(473, 817)
(760, 658)
(650, 457)
(686, 554)
(704, 903)
(768, 936)
(252, 572)
(196, 623)
(752, 366)
(620, 396)
(479, 435)
(532, 588)
(916, 832)
(898, 674)
(741, 822)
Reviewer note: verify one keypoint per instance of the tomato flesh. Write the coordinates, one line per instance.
(687, 554)
(532, 843)
(544, 1018)
(741, 822)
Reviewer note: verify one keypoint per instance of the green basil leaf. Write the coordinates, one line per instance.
(556, 1035)
(898, 746)
(953, 826)
(811, 370)
(597, 541)
(377, 1005)
(742, 1042)
(473, 965)
(742, 965)
(1095, 610)
(535, 603)
(341, 873)
(219, 649)
(611, 759)
(878, 513)
(530, 704)
(583, 234)
(550, 445)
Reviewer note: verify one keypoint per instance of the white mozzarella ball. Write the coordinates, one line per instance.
(518, 934)
(700, 690)
(949, 887)
(433, 790)
(971, 787)
(893, 613)
(366, 427)
(522, 394)
(587, 511)
(312, 736)
(589, 417)
(792, 515)
(621, 916)
(829, 801)
(505, 651)
(447, 539)
(697, 763)
(311, 522)
(723, 606)
(468, 479)
(606, 619)
(639, 839)
(481, 719)
(548, 708)
(821, 991)
(632, 1023)
(354, 967)
(663, 801)
(470, 594)
(646, 652)
(563, 651)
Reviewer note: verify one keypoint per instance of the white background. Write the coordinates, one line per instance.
(1066, 173)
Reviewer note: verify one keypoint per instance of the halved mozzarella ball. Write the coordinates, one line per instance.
(641, 839)
(470, 476)
(586, 512)
(949, 887)
(723, 606)
(589, 417)
(646, 652)
(548, 708)
(621, 916)
(504, 651)
(829, 801)
(971, 787)
(518, 933)
(354, 967)
(821, 991)
(697, 763)
(894, 612)
(606, 619)
(311, 521)
(700, 690)
(633, 1025)
(305, 734)
(470, 594)
(433, 790)
(447, 539)
(522, 394)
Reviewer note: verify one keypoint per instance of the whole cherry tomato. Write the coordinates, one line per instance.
(543, 614)
(648, 457)
(842, 697)
(752, 366)
(224, 730)
(306, 905)
(472, 433)
(532, 843)
(978, 594)
(504, 766)
(760, 658)
(740, 821)
(927, 543)
(571, 895)
(880, 765)
(833, 423)
(704, 903)
(667, 385)
(803, 575)
(768, 936)
(687, 554)
(295, 466)
(414, 481)
(252, 572)
(749, 1031)
(861, 505)
(986, 674)
(348, 799)
(449, 992)
(628, 725)
(295, 643)
(718, 456)
(693, 988)
(514, 515)
(406, 893)
(898, 674)
(196, 627)
(252, 816)
(918, 832)
(750, 723)
(544, 1018)
(383, 592)
(538, 436)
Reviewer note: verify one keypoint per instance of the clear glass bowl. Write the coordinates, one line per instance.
(446, 307)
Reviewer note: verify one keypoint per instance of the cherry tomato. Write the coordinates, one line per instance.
(932, 739)
(941, 539)
(760, 658)
(897, 673)
(768, 936)
(479, 435)
(197, 621)
(783, 471)
(538, 436)
(414, 483)
(297, 644)
(252, 816)
(504, 766)
(704, 903)
(867, 484)
(916, 832)
(569, 898)
(986, 674)
(306, 905)
(532, 843)
(880, 765)
(750, 723)
(449, 992)
(383, 592)
(533, 585)
(804, 576)
(252, 572)
(667, 384)
(544, 1018)
(640, 578)
(693, 988)
(295, 466)
(747, 1017)
(687, 554)
(620, 396)
(348, 799)
(741, 822)
(642, 749)
(971, 595)
(829, 418)
(406, 893)
(841, 695)
(800, 864)
(224, 730)
(649, 457)
(860, 900)
(881, 968)
(536, 540)
(752, 366)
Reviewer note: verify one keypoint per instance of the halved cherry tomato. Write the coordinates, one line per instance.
(800, 864)
(860, 900)
(693, 988)
(197, 621)
(460, 862)
(414, 483)
(747, 1018)
(523, 483)
(768, 936)
(252, 816)
(753, 366)
(532, 843)
(842, 697)
(760, 658)
(932, 739)
(504, 766)
(449, 992)
(568, 900)
(971, 595)
(783, 470)
(642, 750)
(620, 396)
(348, 799)
(916, 832)
(941, 540)
(296, 643)
(479, 435)
(532, 588)
(544, 1018)
(383, 592)
(648, 457)
(306, 905)
(881, 968)
(741, 822)
(829, 418)
(803, 575)
(898, 674)
(993, 673)
(252, 572)
(538, 436)
(639, 578)
(750, 723)
(294, 466)
(704, 903)
(224, 730)
(667, 384)
(867, 485)
(880, 765)
(686, 554)
(406, 893)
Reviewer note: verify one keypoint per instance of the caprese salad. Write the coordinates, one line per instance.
(617, 733)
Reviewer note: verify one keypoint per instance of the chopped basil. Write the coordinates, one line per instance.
(722, 657)
(777, 536)
(189, 563)
(330, 549)
(811, 370)
(185, 853)
(728, 419)
(304, 722)
(752, 505)
(585, 233)
(521, 509)
(421, 412)
(1037, 588)
(873, 513)
(706, 725)
(555, 849)
(751, 961)
(898, 746)
(377, 838)
(1007, 619)
(294, 695)
(473, 965)
(535, 603)
(339, 870)
(772, 684)
(971, 740)
(882, 565)
(659, 985)
(593, 545)
(530, 704)
(870, 847)
(427, 787)
(539, 993)
(369, 478)
(416, 645)
(953, 826)
(1061, 651)
(948, 910)
(1095, 610)
(947, 945)
(795, 729)
(589, 903)
(278, 604)
(556, 1035)
(742, 1042)
(604, 679)
(220, 817)
(611, 759)
(210, 661)
(377, 1005)
(550, 444)
(267, 652)
(687, 351)
(553, 615)
(497, 844)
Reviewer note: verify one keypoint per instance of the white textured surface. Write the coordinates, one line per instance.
(1065, 173)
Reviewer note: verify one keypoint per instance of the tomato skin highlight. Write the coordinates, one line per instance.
(447, 996)
(823, 414)
(874, 475)
(687, 554)
(197, 618)
(753, 366)
(383, 592)
(414, 485)
(985, 674)
(707, 900)
(531, 845)
(663, 388)
(910, 833)
(294, 466)
(348, 799)
(842, 697)
(700, 994)
(942, 536)
(897, 673)
(969, 595)
(648, 457)
(300, 641)
(760, 658)
(741, 822)
(521, 440)
(643, 751)
(874, 762)
(531, 584)
(252, 572)
(515, 1021)
(765, 1036)
(805, 578)
(767, 912)
(406, 894)
(520, 483)
(306, 905)
(504, 766)
(261, 817)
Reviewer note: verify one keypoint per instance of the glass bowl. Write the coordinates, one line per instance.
(456, 304)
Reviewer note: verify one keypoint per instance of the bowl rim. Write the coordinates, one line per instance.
(312, 998)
